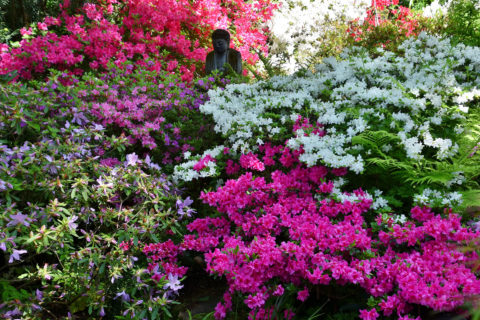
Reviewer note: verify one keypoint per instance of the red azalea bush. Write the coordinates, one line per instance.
(174, 32)
(293, 225)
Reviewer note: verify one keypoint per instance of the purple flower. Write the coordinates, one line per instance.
(39, 295)
(19, 219)
(123, 295)
(4, 185)
(73, 226)
(152, 165)
(16, 255)
(173, 283)
(181, 205)
(11, 314)
(132, 159)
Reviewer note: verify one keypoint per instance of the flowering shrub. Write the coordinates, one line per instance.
(299, 28)
(154, 109)
(74, 206)
(176, 33)
(294, 224)
(397, 113)
(387, 25)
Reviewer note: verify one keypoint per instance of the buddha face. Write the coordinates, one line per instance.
(220, 45)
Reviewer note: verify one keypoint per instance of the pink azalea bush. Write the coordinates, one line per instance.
(291, 224)
(175, 33)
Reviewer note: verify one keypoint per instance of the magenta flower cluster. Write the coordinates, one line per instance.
(289, 226)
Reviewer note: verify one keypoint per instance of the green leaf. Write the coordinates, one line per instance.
(79, 305)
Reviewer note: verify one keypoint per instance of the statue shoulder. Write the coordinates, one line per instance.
(234, 55)
(235, 52)
(210, 55)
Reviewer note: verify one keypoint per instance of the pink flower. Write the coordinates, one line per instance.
(288, 314)
(202, 163)
(42, 26)
(303, 295)
(232, 167)
(368, 315)
(25, 32)
(255, 301)
(339, 171)
(278, 291)
(220, 311)
(250, 161)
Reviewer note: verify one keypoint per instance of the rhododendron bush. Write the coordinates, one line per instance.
(155, 110)
(282, 222)
(174, 32)
(75, 202)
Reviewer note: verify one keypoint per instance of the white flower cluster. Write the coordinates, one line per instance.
(458, 178)
(185, 172)
(435, 198)
(298, 27)
(436, 8)
(415, 95)
(378, 202)
(395, 218)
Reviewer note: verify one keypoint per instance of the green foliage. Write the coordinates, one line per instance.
(15, 14)
(463, 22)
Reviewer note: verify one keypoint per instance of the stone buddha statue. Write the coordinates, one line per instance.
(222, 54)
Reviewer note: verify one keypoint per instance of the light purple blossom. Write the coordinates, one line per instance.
(182, 204)
(19, 219)
(125, 296)
(11, 314)
(173, 283)
(16, 255)
(132, 159)
(5, 185)
(73, 226)
(152, 165)
(39, 295)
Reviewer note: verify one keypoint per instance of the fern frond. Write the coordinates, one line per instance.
(375, 140)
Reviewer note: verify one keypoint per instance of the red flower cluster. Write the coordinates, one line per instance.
(382, 13)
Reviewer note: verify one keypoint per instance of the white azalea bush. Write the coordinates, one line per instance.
(298, 29)
(401, 114)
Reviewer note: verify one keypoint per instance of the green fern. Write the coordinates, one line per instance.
(375, 140)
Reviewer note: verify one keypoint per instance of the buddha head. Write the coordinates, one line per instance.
(220, 40)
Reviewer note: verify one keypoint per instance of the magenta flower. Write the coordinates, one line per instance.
(368, 315)
(303, 295)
